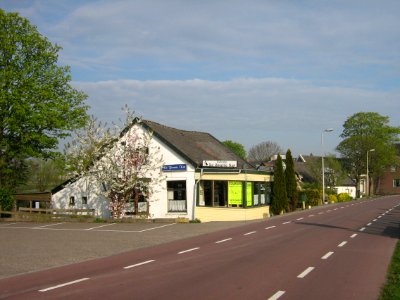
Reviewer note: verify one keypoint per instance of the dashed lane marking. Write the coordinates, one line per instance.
(223, 241)
(140, 264)
(48, 225)
(342, 244)
(277, 295)
(62, 285)
(299, 219)
(270, 227)
(284, 223)
(189, 250)
(327, 255)
(353, 235)
(369, 224)
(249, 233)
(362, 229)
(305, 272)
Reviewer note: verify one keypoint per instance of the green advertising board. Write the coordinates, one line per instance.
(235, 193)
(249, 194)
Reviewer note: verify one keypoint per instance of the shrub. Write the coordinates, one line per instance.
(313, 197)
(6, 199)
(344, 197)
(333, 198)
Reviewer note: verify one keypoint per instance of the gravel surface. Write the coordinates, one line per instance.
(29, 247)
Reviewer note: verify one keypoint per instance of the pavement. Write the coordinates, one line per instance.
(29, 247)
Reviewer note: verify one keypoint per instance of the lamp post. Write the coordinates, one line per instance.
(323, 167)
(367, 189)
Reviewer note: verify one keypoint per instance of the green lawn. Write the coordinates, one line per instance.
(391, 289)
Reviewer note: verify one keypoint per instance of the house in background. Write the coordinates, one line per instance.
(389, 182)
(202, 179)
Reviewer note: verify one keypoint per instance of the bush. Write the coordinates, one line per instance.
(333, 198)
(344, 197)
(7, 199)
(313, 197)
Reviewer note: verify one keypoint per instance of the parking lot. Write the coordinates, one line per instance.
(27, 247)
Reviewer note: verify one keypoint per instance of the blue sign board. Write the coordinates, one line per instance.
(172, 168)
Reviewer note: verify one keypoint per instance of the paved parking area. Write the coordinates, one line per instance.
(27, 247)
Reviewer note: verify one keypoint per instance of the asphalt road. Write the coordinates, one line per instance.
(338, 251)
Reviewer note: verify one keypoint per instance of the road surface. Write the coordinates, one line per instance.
(339, 251)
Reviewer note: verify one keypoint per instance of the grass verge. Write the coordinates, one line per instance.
(391, 289)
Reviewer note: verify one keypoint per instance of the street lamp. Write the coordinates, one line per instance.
(367, 190)
(323, 167)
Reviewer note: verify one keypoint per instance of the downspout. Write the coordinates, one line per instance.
(195, 195)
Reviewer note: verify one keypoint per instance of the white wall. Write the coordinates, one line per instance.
(158, 202)
(351, 190)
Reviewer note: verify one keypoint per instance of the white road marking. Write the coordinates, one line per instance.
(64, 284)
(284, 223)
(139, 264)
(362, 229)
(326, 256)
(353, 236)
(189, 250)
(223, 241)
(310, 216)
(320, 213)
(157, 227)
(44, 226)
(305, 272)
(277, 295)
(374, 220)
(91, 228)
(251, 232)
(270, 227)
(342, 244)
(369, 224)
(299, 219)
(8, 224)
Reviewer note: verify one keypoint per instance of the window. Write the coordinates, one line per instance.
(396, 183)
(176, 196)
(72, 201)
(84, 200)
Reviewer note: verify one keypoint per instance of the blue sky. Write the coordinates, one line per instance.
(249, 71)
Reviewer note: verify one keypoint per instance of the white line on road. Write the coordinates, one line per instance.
(305, 272)
(223, 241)
(369, 224)
(353, 236)
(64, 284)
(284, 223)
(8, 224)
(326, 256)
(189, 250)
(342, 244)
(299, 219)
(91, 228)
(251, 232)
(139, 264)
(310, 216)
(362, 229)
(270, 227)
(374, 220)
(277, 295)
(157, 227)
(379, 217)
(44, 226)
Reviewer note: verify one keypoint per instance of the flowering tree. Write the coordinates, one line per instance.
(125, 166)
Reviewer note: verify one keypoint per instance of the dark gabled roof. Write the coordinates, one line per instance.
(195, 146)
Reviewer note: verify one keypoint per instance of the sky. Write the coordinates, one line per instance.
(247, 71)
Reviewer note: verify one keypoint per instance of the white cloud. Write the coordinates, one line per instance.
(248, 110)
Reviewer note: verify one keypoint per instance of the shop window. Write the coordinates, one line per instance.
(177, 196)
(396, 183)
(72, 201)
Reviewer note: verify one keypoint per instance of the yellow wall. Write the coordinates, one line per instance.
(208, 214)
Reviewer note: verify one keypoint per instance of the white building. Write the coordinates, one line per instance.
(200, 178)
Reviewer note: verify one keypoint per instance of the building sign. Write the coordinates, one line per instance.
(220, 163)
(235, 193)
(174, 168)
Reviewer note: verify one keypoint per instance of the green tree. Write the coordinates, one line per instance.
(38, 106)
(237, 148)
(291, 182)
(362, 132)
(279, 201)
